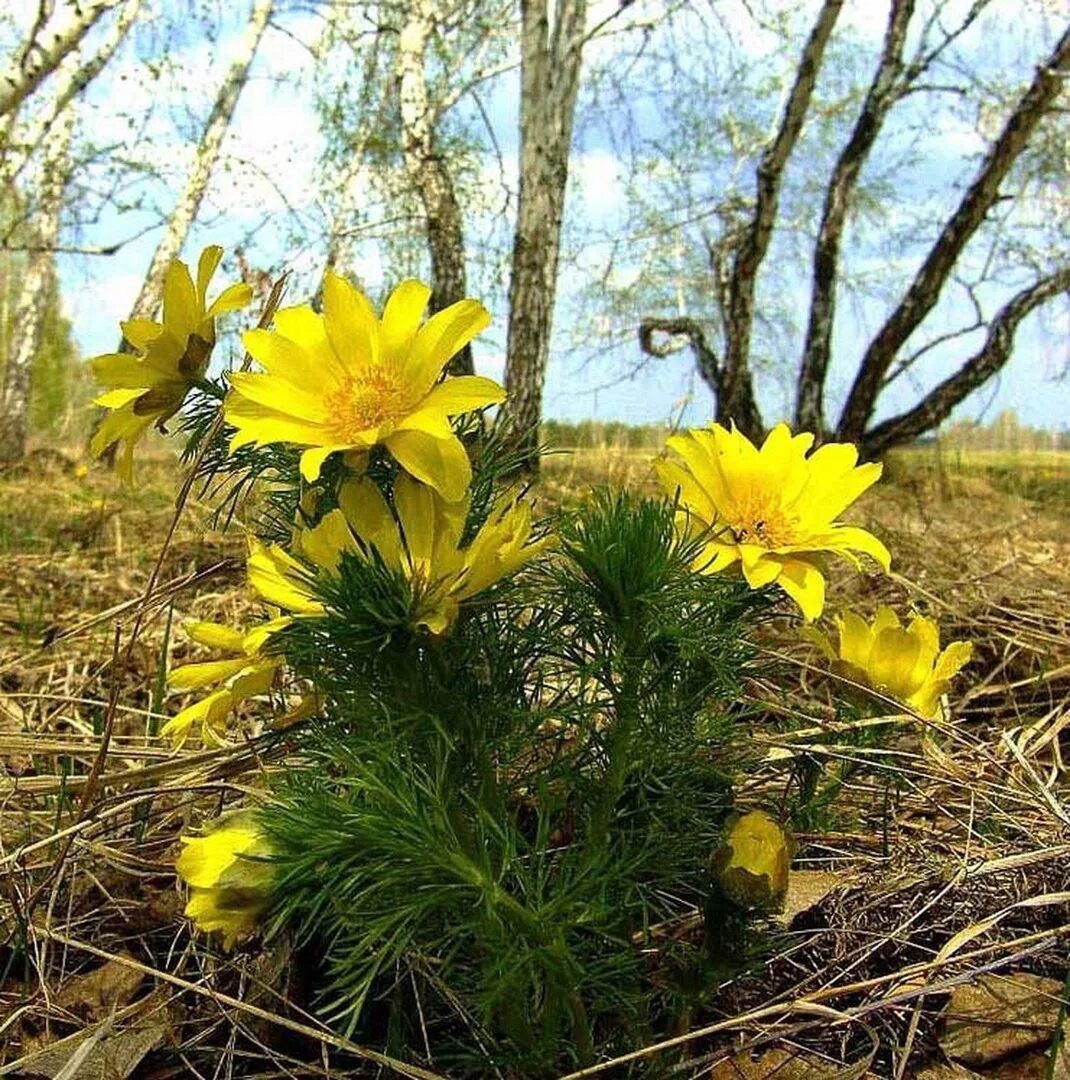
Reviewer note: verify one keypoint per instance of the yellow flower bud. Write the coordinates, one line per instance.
(751, 866)
(230, 884)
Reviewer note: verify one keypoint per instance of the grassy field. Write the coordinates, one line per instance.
(953, 863)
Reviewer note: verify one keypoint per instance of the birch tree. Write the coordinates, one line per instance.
(205, 160)
(29, 315)
(56, 32)
(551, 50)
(427, 167)
(27, 136)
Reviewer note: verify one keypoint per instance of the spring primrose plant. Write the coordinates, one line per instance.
(501, 817)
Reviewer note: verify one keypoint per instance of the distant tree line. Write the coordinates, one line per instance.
(1005, 432)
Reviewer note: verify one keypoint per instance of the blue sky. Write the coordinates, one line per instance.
(273, 149)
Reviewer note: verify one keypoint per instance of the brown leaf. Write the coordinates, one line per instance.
(779, 1064)
(806, 889)
(96, 1052)
(96, 994)
(1000, 1016)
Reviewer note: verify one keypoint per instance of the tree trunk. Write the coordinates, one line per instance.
(33, 293)
(882, 94)
(53, 38)
(549, 78)
(736, 400)
(924, 291)
(427, 169)
(185, 211)
(73, 79)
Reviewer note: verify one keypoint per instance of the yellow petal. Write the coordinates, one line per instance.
(256, 679)
(196, 676)
(462, 394)
(429, 421)
(401, 319)
(680, 484)
(280, 395)
(440, 339)
(207, 265)
(325, 543)
(352, 327)
(232, 298)
(312, 461)
(141, 332)
(181, 313)
(281, 580)
(856, 640)
(441, 463)
(415, 504)
(805, 584)
(893, 663)
(304, 327)
(117, 399)
(760, 568)
(953, 659)
(206, 859)
(289, 361)
(216, 636)
(752, 866)
(258, 424)
(370, 517)
(211, 710)
(122, 370)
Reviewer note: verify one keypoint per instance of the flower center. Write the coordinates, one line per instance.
(763, 523)
(374, 400)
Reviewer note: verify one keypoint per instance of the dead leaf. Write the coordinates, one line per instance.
(98, 993)
(998, 1017)
(806, 889)
(780, 1064)
(947, 1072)
(95, 1052)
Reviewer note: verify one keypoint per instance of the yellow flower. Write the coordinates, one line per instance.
(246, 675)
(230, 885)
(346, 381)
(904, 663)
(420, 538)
(773, 509)
(151, 387)
(751, 866)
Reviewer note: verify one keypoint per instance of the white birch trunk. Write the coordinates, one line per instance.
(551, 56)
(72, 79)
(33, 292)
(427, 170)
(49, 45)
(185, 211)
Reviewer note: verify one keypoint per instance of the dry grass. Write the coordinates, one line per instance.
(951, 858)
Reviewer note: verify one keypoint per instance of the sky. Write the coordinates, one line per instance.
(272, 191)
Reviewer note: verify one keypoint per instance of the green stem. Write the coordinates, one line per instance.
(618, 751)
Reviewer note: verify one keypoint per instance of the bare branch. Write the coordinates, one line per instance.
(937, 405)
(925, 289)
(677, 329)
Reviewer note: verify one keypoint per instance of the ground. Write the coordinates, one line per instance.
(949, 861)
